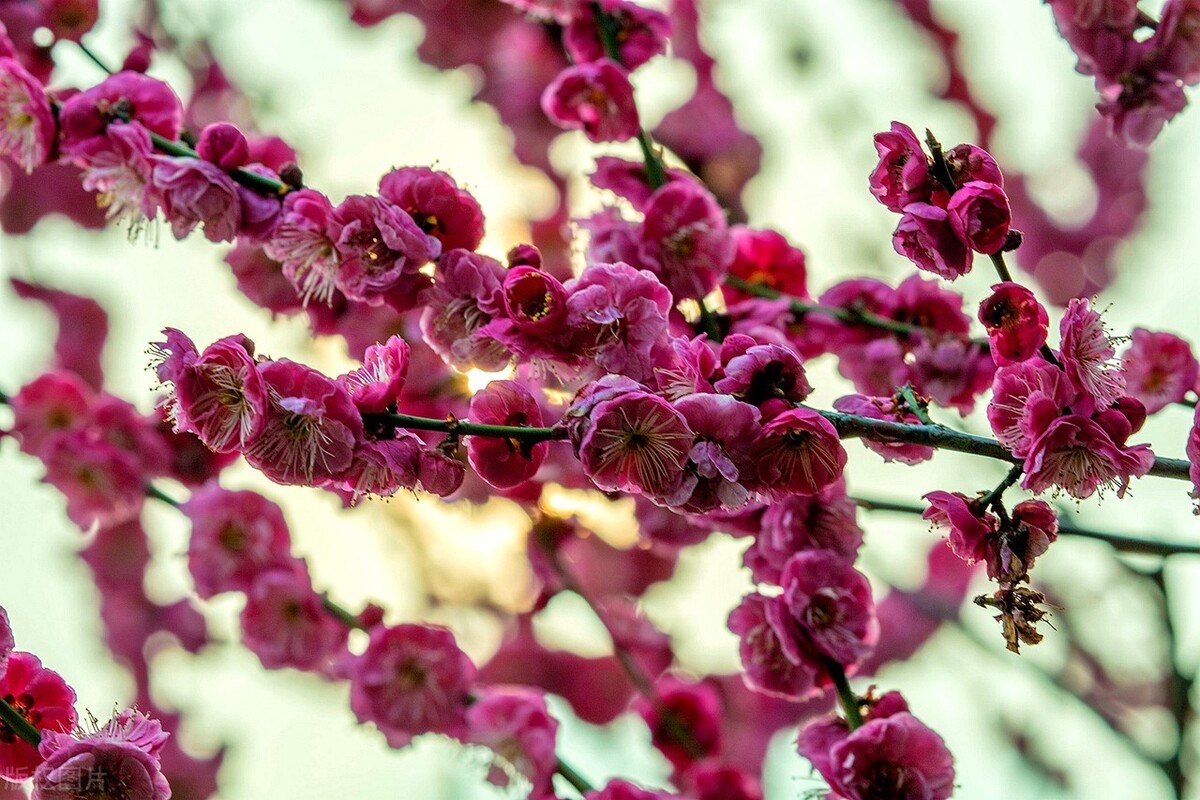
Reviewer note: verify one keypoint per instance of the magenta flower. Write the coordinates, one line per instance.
(620, 314)
(641, 34)
(120, 760)
(235, 536)
(82, 329)
(595, 97)
(380, 250)
(1026, 397)
(312, 426)
(926, 237)
(628, 179)
(826, 611)
(138, 98)
(412, 679)
(967, 163)
(798, 452)
(51, 403)
(221, 143)
(765, 257)
(980, 216)
(192, 192)
(1016, 323)
(684, 720)
(724, 428)
(636, 443)
(285, 623)
(384, 467)
(766, 667)
(1088, 355)
(902, 175)
(893, 757)
(43, 698)
(219, 395)
(505, 463)
(535, 301)
(439, 473)
(1178, 37)
(119, 168)
(303, 245)
(1079, 456)
(27, 128)
(972, 529)
(376, 385)
(764, 373)
(466, 295)
(685, 240)
(712, 780)
(101, 483)
(797, 524)
(434, 201)
(7, 642)
(950, 370)
(516, 724)
(1159, 369)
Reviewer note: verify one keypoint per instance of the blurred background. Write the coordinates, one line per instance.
(813, 81)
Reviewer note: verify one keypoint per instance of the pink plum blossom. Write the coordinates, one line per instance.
(797, 452)
(765, 666)
(641, 33)
(505, 463)
(971, 527)
(49, 404)
(893, 756)
(765, 257)
(466, 295)
(380, 250)
(82, 329)
(43, 698)
(119, 99)
(434, 201)
(619, 789)
(311, 429)
(219, 394)
(192, 192)
(926, 237)
(826, 611)
(1016, 323)
(303, 245)
(764, 373)
(412, 679)
(285, 623)
(684, 720)
(101, 483)
(121, 759)
(1026, 397)
(684, 239)
(221, 143)
(619, 314)
(1159, 369)
(27, 128)
(1088, 355)
(636, 443)
(595, 97)
(376, 385)
(516, 724)
(383, 467)
(967, 162)
(902, 175)
(1079, 456)
(235, 536)
(980, 216)
(796, 524)
(724, 428)
(119, 168)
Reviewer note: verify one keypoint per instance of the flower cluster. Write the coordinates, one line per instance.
(118, 759)
(891, 755)
(1140, 79)
(946, 217)
(1070, 420)
(296, 425)
(715, 430)
(594, 93)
